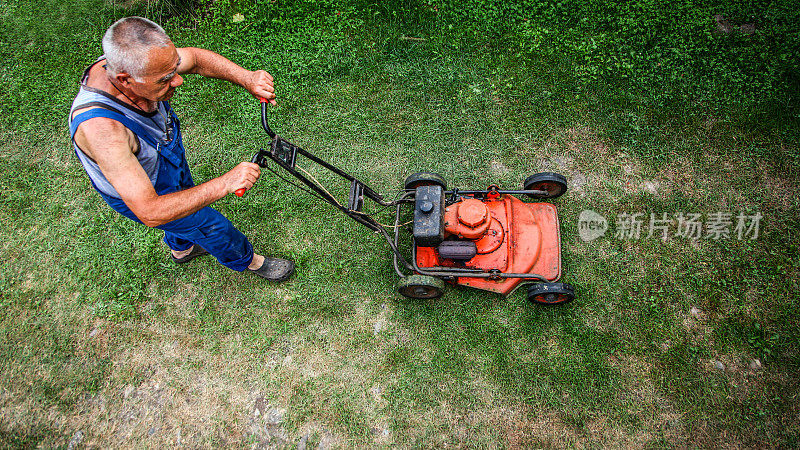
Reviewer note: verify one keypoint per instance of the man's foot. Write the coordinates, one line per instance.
(273, 269)
(189, 254)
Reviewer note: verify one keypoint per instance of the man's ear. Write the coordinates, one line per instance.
(124, 79)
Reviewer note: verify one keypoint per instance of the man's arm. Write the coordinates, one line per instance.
(110, 144)
(212, 65)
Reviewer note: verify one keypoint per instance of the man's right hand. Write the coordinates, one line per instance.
(243, 176)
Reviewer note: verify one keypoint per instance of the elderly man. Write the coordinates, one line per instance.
(129, 141)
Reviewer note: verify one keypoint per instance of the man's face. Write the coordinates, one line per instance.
(160, 76)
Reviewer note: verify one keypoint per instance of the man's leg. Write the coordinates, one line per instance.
(178, 245)
(174, 242)
(212, 231)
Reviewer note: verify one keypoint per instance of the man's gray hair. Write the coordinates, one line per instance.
(127, 42)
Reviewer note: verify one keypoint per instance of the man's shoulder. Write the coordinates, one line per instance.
(99, 123)
(95, 75)
(98, 133)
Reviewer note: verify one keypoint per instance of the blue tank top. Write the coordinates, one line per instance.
(157, 125)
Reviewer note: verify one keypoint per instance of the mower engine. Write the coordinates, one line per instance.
(492, 232)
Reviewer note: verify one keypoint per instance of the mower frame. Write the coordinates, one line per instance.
(285, 154)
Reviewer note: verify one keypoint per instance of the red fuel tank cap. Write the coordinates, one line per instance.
(472, 212)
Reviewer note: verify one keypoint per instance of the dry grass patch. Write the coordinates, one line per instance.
(592, 166)
(529, 427)
(179, 393)
(657, 416)
(782, 192)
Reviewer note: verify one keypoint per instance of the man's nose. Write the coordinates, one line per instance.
(176, 81)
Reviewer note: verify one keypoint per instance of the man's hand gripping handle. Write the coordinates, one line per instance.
(240, 192)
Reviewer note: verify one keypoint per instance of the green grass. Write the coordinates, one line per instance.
(103, 334)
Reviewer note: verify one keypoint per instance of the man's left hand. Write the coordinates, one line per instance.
(260, 85)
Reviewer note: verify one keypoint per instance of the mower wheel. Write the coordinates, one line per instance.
(551, 293)
(420, 286)
(424, 179)
(553, 183)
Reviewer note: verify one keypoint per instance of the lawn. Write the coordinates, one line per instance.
(652, 114)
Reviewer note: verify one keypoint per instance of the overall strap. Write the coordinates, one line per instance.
(108, 114)
(129, 124)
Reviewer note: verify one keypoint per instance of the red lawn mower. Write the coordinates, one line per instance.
(486, 239)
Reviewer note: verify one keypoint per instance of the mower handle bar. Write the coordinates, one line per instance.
(457, 192)
(270, 133)
(357, 187)
(264, 122)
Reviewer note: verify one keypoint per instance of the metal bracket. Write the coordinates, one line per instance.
(284, 151)
(356, 200)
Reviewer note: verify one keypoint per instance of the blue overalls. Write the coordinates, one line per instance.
(207, 227)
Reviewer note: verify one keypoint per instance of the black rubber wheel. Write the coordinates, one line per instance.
(551, 293)
(424, 179)
(420, 286)
(555, 184)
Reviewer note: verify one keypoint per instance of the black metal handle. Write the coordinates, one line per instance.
(264, 122)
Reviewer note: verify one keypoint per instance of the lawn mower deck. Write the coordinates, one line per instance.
(499, 233)
(485, 239)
